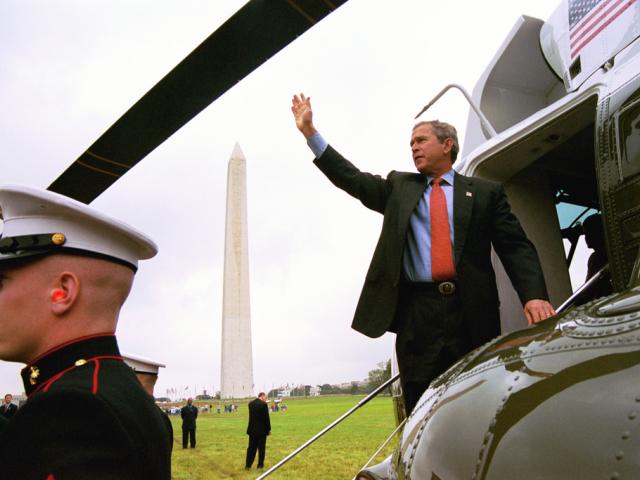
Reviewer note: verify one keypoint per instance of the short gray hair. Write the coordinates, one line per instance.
(442, 131)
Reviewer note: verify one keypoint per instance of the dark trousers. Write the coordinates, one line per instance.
(430, 337)
(191, 434)
(259, 443)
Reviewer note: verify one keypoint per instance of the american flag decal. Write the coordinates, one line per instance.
(587, 18)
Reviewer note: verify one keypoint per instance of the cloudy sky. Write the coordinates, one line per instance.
(70, 68)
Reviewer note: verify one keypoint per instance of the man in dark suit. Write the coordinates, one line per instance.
(431, 280)
(258, 429)
(65, 272)
(189, 413)
(8, 408)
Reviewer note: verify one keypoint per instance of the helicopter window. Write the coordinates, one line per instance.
(629, 127)
(570, 218)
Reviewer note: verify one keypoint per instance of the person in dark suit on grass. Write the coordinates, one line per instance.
(258, 429)
(189, 413)
(65, 272)
(8, 409)
(431, 280)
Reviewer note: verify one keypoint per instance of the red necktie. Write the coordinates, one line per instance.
(441, 254)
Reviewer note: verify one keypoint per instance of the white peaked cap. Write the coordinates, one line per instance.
(38, 222)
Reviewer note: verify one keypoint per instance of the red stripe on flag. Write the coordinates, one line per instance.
(584, 32)
(575, 52)
(584, 21)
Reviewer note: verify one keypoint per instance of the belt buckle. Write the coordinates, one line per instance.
(447, 288)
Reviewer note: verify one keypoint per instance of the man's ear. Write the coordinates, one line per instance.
(447, 145)
(65, 293)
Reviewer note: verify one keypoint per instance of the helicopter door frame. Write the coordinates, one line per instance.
(619, 189)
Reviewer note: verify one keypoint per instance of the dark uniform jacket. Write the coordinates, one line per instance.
(86, 417)
(8, 412)
(482, 217)
(189, 413)
(259, 422)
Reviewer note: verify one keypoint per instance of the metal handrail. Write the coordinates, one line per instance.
(384, 444)
(483, 119)
(569, 301)
(329, 427)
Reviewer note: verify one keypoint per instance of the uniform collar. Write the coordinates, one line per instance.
(70, 354)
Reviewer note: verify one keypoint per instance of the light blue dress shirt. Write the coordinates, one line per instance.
(416, 260)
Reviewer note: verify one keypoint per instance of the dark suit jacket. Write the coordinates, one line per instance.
(259, 423)
(10, 412)
(482, 217)
(189, 413)
(87, 416)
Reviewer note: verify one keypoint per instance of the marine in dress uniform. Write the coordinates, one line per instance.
(65, 270)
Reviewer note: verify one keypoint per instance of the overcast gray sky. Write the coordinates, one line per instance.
(70, 68)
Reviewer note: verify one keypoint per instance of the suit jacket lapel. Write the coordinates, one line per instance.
(412, 194)
(463, 194)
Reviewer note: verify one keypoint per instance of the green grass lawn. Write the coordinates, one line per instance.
(222, 441)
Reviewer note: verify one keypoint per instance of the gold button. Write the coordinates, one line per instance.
(58, 239)
(80, 362)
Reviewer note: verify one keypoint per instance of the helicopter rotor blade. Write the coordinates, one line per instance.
(256, 32)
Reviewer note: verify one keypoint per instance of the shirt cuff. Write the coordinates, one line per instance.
(317, 144)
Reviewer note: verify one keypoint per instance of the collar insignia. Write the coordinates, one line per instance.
(33, 375)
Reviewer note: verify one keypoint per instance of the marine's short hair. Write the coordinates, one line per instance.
(442, 131)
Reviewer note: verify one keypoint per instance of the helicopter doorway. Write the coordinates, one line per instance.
(549, 176)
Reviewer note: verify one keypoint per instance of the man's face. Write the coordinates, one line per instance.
(22, 302)
(263, 398)
(7, 398)
(430, 156)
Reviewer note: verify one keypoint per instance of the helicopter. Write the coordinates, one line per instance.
(62, 93)
(101, 165)
(559, 126)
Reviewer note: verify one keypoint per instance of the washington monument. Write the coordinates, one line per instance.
(237, 362)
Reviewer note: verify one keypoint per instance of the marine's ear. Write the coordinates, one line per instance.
(64, 293)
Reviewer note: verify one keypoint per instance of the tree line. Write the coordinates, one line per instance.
(376, 377)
